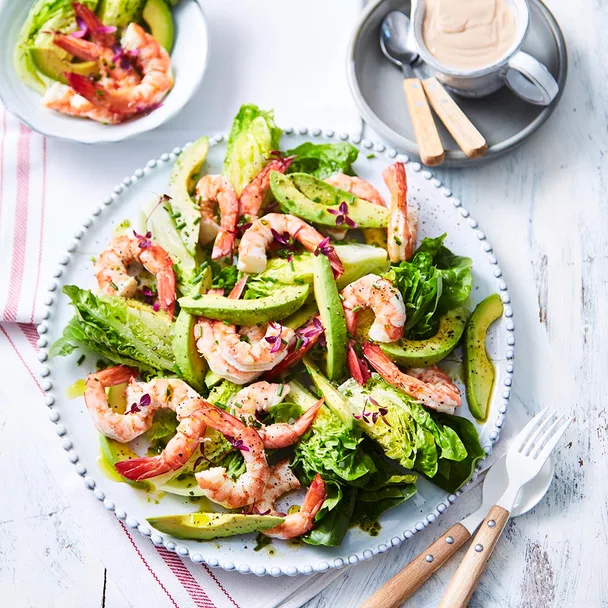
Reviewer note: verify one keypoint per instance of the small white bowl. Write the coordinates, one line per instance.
(188, 59)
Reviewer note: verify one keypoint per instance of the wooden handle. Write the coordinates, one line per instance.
(470, 140)
(427, 137)
(469, 572)
(405, 582)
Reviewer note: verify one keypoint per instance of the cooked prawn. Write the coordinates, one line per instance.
(432, 388)
(262, 350)
(212, 189)
(281, 481)
(297, 524)
(215, 482)
(208, 346)
(121, 427)
(257, 238)
(403, 221)
(114, 279)
(357, 187)
(260, 397)
(257, 397)
(377, 293)
(157, 79)
(171, 394)
(252, 196)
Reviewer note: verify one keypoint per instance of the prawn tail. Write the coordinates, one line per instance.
(89, 89)
(336, 264)
(291, 359)
(82, 49)
(114, 375)
(166, 291)
(315, 497)
(300, 426)
(99, 33)
(142, 468)
(379, 361)
(224, 244)
(357, 367)
(218, 419)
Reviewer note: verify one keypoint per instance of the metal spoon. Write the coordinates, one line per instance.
(394, 43)
(393, 593)
(393, 37)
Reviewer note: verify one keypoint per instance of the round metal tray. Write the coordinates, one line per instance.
(504, 119)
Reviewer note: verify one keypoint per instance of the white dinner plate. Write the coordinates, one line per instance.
(439, 212)
(188, 60)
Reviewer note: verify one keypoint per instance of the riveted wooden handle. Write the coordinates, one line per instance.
(470, 140)
(404, 583)
(469, 572)
(427, 137)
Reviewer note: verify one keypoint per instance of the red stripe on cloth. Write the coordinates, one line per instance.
(41, 236)
(2, 160)
(29, 331)
(31, 373)
(210, 573)
(23, 186)
(183, 575)
(146, 563)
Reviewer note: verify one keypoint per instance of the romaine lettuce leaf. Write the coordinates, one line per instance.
(254, 135)
(323, 160)
(432, 282)
(122, 331)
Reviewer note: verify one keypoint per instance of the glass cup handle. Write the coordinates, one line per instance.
(530, 79)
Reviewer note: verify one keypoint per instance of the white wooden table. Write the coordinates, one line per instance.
(545, 210)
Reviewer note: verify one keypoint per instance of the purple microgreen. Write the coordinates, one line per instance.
(261, 512)
(145, 400)
(341, 214)
(144, 240)
(238, 444)
(324, 247)
(82, 30)
(106, 29)
(156, 306)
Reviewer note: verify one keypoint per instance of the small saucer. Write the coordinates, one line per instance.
(504, 119)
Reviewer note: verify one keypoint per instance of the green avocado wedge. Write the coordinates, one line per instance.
(319, 200)
(52, 65)
(181, 181)
(424, 353)
(282, 303)
(157, 16)
(332, 317)
(112, 452)
(478, 368)
(207, 526)
(191, 365)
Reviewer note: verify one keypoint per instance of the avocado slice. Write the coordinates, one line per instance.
(206, 526)
(283, 302)
(301, 316)
(303, 204)
(300, 395)
(112, 452)
(119, 12)
(181, 182)
(332, 397)
(358, 260)
(52, 65)
(211, 379)
(424, 353)
(332, 317)
(478, 368)
(191, 365)
(157, 16)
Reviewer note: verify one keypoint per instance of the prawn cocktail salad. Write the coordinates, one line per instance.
(109, 66)
(279, 327)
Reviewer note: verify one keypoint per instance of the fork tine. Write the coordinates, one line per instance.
(522, 437)
(532, 440)
(552, 436)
